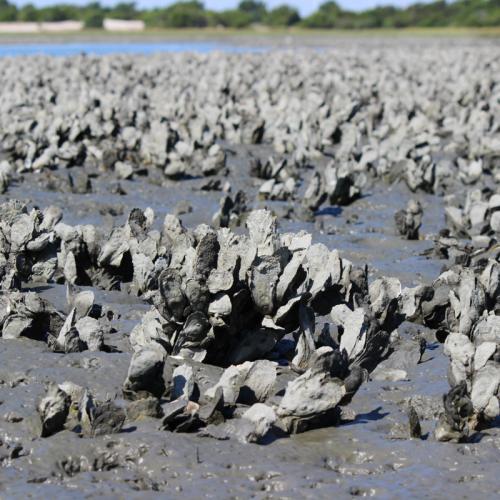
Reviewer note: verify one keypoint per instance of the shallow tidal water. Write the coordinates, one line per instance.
(64, 49)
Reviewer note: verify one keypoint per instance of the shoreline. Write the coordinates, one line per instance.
(250, 36)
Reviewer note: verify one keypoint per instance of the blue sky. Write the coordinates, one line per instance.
(305, 6)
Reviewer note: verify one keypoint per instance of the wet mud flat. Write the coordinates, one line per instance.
(339, 176)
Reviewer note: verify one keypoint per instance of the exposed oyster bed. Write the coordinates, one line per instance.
(259, 274)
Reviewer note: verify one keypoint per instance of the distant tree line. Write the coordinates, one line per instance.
(192, 14)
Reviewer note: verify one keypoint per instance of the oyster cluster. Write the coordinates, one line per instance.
(251, 303)
(469, 321)
(245, 305)
(478, 218)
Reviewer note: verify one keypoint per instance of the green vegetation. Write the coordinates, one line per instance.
(8, 12)
(192, 14)
(282, 16)
(179, 15)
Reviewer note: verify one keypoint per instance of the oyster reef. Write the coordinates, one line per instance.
(267, 274)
